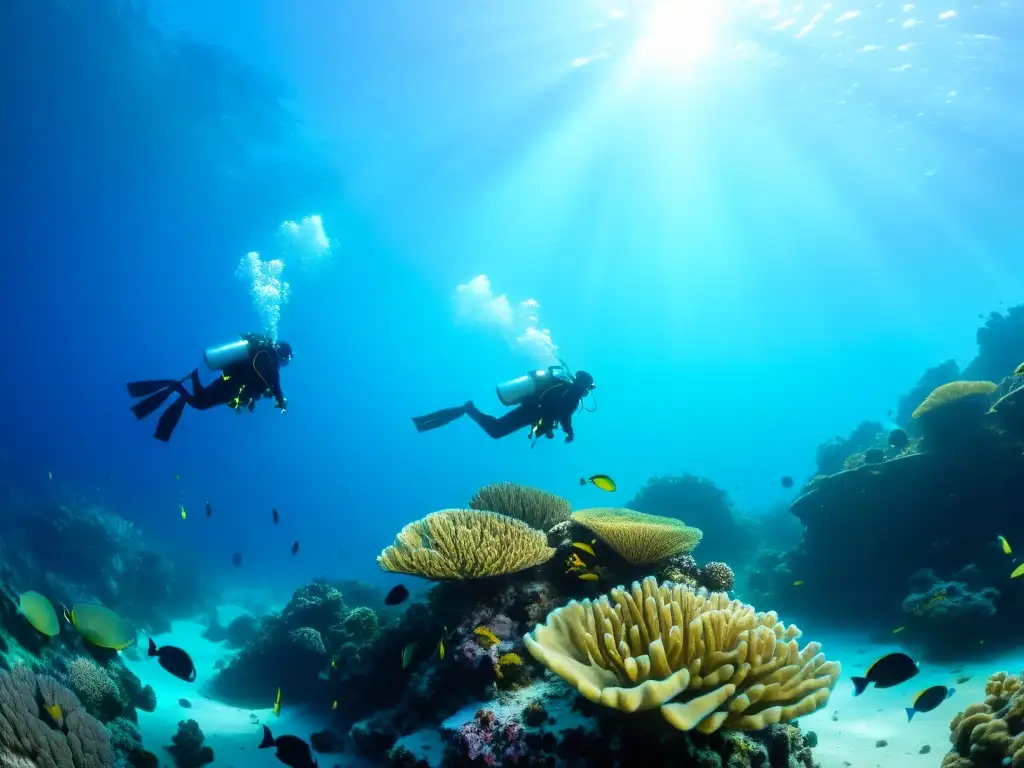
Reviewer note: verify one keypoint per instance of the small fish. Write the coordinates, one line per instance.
(174, 660)
(291, 750)
(177, 477)
(440, 649)
(963, 679)
(787, 482)
(589, 576)
(798, 583)
(929, 699)
(1005, 545)
(891, 669)
(584, 547)
(184, 703)
(407, 654)
(55, 712)
(254, 718)
(50, 473)
(295, 548)
(277, 703)
(397, 595)
(898, 630)
(276, 516)
(1018, 571)
(236, 559)
(184, 512)
(334, 704)
(209, 510)
(603, 482)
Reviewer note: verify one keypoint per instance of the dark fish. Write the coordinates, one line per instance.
(929, 699)
(185, 703)
(277, 517)
(892, 669)
(787, 482)
(209, 510)
(295, 548)
(236, 559)
(899, 439)
(397, 596)
(174, 660)
(291, 750)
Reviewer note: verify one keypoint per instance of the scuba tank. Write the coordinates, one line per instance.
(218, 358)
(514, 391)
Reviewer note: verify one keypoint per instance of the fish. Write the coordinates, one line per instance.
(603, 482)
(100, 626)
(55, 712)
(254, 718)
(50, 473)
(334, 704)
(295, 548)
(1018, 571)
(798, 583)
(291, 750)
(440, 645)
(397, 595)
(174, 660)
(589, 576)
(177, 476)
(407, 654)
(787, 482)
(929, 699)
(584, 547)
(963, 679)
(276, 516)
(898, 630)
(899, 439)
(209, 510)
(887, 671)
(38, 611)
(277, 703)
(236, 559)
(1005, 545)
(184, 512)
(184, 703)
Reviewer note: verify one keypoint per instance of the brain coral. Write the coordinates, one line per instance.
(720, 664)
(465, 544)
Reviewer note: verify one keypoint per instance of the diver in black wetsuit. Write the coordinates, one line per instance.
(250, 369)
(543, 400)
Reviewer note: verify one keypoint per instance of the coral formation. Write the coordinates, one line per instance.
(31, 736)
(465, 544)
(637, 537)
(718, 577)
(936, 376)
(187, 746)
(538, 509)
(705, 661)
(990, 734)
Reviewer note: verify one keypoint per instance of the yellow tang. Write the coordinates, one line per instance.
(38, 611)
(1005, 545)
(798, 583)
(585, 547)
(277, 703)
(603, 482)
(1018, 571)
(101, 626)
(589, 576)
(334, 705)
(898, 630)
(184, 512)
(55, 712)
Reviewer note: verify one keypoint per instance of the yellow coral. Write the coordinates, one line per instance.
(724, 665)
(640, 538)
(465, 544)
(513, 659)
(538, 509)
(954, 391)
(485, 638)
(990, 733)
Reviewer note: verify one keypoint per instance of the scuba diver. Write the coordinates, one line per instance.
(250, 369)
(543, 400)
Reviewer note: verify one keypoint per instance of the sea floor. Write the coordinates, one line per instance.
(867, 731)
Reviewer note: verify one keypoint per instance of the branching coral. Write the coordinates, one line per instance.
(465, 544)
(538, 509)
(638, 537)
(723, 664)
(989, 735)
(67, 737)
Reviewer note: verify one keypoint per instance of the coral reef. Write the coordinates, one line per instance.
(187, 746)
(538, 509)
(702, 504)
(990, 734)
(637, 537)
(936, 376)
(832, 454)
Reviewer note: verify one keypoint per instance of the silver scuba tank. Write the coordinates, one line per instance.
(218, 358)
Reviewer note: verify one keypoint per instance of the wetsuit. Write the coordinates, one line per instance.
(240, 385)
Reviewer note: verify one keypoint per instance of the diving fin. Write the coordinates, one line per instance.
(169, 419)
(153, 402)
(144, 388)
(438, 418)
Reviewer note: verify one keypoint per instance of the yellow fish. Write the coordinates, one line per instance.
(54, 711)
(589, 577)
(1018, 571)
(798, 583)
(334, 663)
(1005, 545)
(184, 513)
(440, 649)
(585, 547)
(334, 705)
(407, 654)
(277, 703)
(898, 630)
(603, 482)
